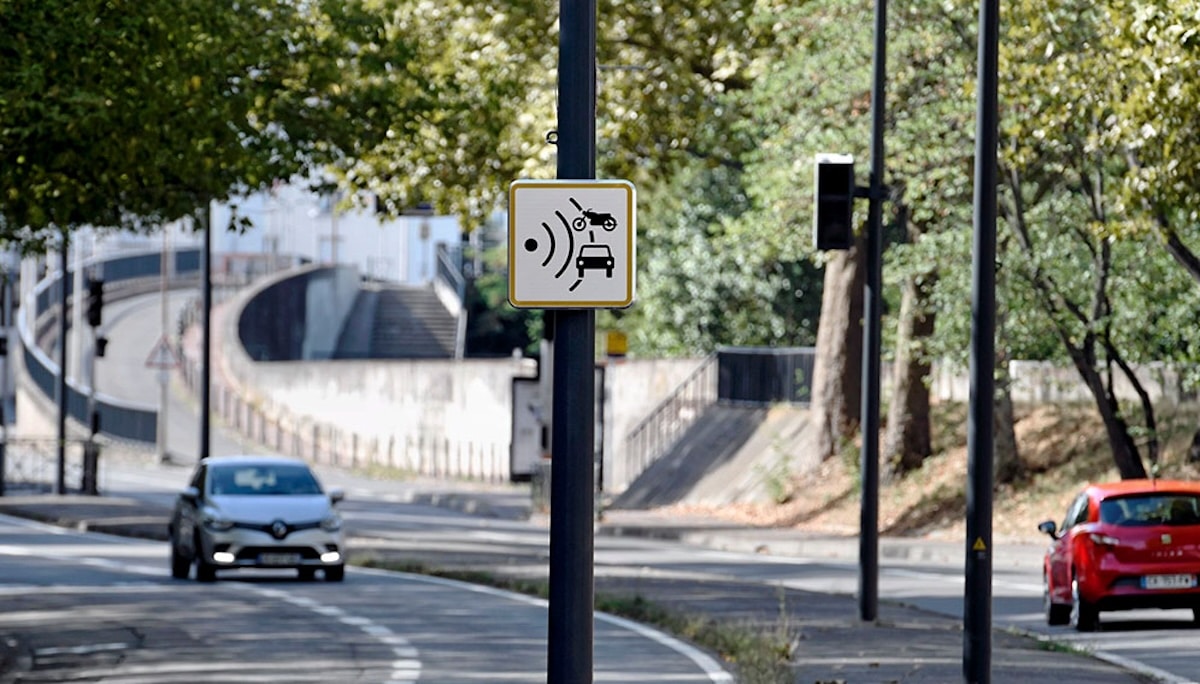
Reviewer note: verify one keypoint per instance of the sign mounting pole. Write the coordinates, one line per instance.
(572, 479)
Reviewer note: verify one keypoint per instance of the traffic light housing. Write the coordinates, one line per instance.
(833, 205)
(95, 302)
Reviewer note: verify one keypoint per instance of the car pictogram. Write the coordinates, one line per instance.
(595, 257)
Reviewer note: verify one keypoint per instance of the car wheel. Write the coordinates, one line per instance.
(205, 571)
(335, 573)
(1057, 614)
(1084, 616)
(180, 564)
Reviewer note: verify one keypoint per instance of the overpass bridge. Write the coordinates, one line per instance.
(279, 384)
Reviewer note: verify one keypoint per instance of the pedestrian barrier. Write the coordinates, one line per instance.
(30, 466)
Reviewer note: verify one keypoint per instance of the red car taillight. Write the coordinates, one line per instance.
(1104, 540)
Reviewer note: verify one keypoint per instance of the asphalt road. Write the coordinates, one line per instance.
(386, 519)
(93, 606)
(924, 574)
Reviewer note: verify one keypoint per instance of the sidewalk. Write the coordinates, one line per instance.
(830, 644)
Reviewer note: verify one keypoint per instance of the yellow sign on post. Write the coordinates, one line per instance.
(616, 344)
(571, 244)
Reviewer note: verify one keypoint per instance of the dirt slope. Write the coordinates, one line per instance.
(1062, 447)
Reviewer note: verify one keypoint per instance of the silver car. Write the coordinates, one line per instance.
(256, 512)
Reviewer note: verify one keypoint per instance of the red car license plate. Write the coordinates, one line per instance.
(279, 558)
(1168, 581)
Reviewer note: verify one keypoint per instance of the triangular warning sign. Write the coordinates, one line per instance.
(162, 356)
(979, 545)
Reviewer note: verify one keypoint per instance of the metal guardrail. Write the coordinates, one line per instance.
(124, 275)
(449, 273)
(737, 376)
(654, 435)
(30, 466)
(761, 376)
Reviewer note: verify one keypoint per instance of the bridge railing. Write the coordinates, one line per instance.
(124, 276)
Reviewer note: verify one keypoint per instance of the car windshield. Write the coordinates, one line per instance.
(1151, 509)
(259, 479)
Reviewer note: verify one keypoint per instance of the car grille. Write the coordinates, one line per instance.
(280, 532)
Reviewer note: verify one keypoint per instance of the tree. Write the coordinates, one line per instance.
(491, 86)
(1153, 53)
(704, 281)
(1067, 145)
(127, 115)
(817, 98)
(495, 327)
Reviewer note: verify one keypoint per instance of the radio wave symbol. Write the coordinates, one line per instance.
(554, 243)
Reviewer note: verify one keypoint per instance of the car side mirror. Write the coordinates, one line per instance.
(190, 495)
(336, 495)
(1049, 528)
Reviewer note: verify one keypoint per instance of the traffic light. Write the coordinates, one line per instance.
(95, 303)
(833, 206)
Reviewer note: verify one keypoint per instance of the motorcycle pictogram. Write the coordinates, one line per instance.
(594, 218)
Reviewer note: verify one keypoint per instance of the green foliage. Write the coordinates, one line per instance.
(496, 328)
(1155, 48)
(704, 281)
(490, 82)
(128, 114)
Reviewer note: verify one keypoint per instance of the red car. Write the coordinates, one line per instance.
(1124, 545)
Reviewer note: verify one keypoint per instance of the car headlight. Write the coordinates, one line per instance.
(333, 523)
(217, 523)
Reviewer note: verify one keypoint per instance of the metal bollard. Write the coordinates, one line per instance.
(91, 458)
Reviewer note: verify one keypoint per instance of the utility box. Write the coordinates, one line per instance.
(833, 202)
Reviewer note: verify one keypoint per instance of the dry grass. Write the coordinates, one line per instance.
(1062, 447)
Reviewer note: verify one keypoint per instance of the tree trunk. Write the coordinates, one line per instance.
(837, 375)
(1125, 452)
(908, 441)
(1006, 459)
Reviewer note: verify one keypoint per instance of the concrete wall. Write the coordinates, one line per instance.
(1044, 382)
(434, 417)
(440, 418)
(298, 314)
(633, 388)
(330, 298)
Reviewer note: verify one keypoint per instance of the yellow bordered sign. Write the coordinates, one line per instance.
(572, 243)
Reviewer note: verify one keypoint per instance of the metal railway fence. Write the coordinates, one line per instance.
(30, 466)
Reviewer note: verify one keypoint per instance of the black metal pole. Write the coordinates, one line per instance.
(868, 550)
(206, 344)
(572, 479)
(977, 609)
(61, 482)
(10, 352)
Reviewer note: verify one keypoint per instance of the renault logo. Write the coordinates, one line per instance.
(279, 529)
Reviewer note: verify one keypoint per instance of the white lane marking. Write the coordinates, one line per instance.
(84, 649)
(406, 669)
(711, 668)
(958, 579)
